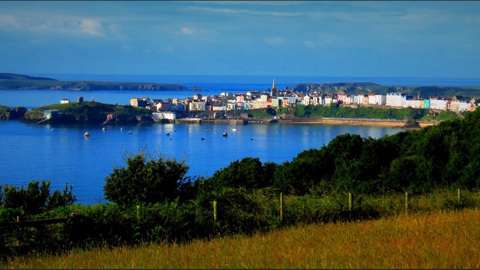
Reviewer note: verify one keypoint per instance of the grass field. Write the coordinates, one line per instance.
(434, 240)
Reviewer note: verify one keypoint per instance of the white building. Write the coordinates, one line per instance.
(377, 99)
(307, 100)
(162, 116)
(64, 101)
(413, 103)
(197, 106)
(438, 104)
(395, 100)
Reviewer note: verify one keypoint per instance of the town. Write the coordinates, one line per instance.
(236, 106)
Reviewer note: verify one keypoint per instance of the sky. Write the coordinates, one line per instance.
(320, 38)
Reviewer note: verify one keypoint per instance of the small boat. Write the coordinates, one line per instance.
(234, 129)
(121, 129)
(168, 133)
(203, 139)
(225, 134)
(103, 129)
(86, 134)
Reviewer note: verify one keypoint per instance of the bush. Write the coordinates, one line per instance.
(35, 198)
(145, 181)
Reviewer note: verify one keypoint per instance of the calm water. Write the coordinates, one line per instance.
(63, 155)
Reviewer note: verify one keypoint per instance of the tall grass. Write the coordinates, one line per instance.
(448, 239)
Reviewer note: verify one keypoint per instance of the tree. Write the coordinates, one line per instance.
(247, 173)
(145, 181)
(36, 197)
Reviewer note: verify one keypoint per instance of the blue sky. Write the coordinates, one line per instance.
(419, 39)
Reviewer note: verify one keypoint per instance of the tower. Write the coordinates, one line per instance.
(273, 91)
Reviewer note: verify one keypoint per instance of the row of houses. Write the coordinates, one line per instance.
(393, 100)
(259, 100)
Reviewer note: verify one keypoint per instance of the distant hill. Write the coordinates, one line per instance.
(10, 81)
(367, 87)
(13, 76)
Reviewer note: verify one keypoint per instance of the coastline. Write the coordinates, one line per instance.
(359, 122)
(318, 121)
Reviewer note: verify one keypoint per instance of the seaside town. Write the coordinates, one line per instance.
(226, 104)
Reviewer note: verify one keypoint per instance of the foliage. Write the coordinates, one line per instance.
(303, 111)
(145, 181)
(248, 173)
(35, 198)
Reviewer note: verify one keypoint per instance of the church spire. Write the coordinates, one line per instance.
(273, 91)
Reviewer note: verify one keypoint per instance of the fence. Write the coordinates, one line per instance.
(21, 236)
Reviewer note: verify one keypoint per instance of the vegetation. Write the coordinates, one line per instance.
(9, 81)
(360, 112)
(441, 116)
(435, 240)
(90, 112)
(7, 113)
(152, 201)
(145, 182)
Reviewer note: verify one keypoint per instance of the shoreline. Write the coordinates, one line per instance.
(328, 121)
(317, 121)
(360, 122)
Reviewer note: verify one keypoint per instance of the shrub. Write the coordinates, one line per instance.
(145, 181)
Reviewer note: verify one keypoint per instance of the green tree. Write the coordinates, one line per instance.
(145, 181)
(247, 173)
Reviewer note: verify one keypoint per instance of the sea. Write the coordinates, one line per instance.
(62, 155)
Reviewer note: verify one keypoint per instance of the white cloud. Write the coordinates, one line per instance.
(48, 23)
(91, 27)
(186, 30)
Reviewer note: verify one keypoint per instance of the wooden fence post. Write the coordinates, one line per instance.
(214, 205)
(406, 203)
(349, 201)
(280, 208)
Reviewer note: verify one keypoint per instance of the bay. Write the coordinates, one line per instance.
(62, 155)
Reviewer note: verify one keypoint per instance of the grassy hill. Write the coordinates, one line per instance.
(89, 112)
(434, 240)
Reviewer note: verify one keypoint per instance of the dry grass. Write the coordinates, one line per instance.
(435, 240)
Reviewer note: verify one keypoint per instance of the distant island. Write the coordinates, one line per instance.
(11, 81)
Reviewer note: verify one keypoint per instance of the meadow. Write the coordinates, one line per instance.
(442, 239)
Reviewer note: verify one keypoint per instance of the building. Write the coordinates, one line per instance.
(413, 103)
(395, 100)
(164, 116)
(197, 106)
(140, 102)
(64, 101)
(273, 91)
(438, 104)
(374, 99)
(307, 100)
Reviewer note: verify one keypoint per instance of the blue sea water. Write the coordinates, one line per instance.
(62, 155)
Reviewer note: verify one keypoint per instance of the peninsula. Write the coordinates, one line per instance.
(11, 81)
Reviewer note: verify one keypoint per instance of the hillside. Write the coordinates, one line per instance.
(89, 112)
(435, 240)
(9, 81)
